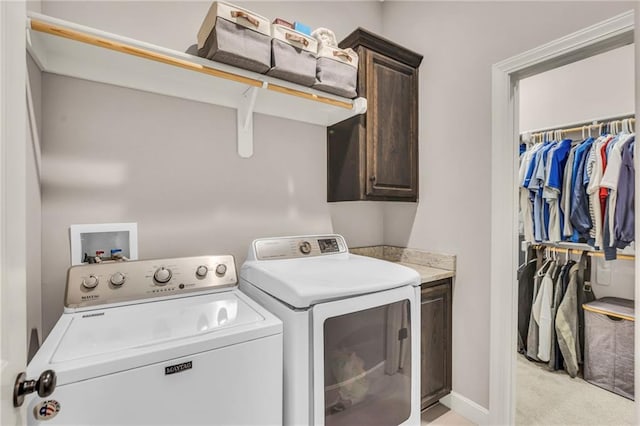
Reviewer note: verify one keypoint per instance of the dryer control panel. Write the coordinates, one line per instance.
(133, 281)
(298, 247)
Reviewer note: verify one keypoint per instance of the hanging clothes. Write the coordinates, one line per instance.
(557, 158)
(566, 194)
(570, 193)
(566, 324)
(536, 185)
(555, 332)
(555, 360)
(541, 311)
(625, 203)
(533, 333)
(525, 173)
(609, 182)
(526, 285)
(580, 217)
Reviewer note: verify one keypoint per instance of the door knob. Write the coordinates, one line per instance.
(45, 386)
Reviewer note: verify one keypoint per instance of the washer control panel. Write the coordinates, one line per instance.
(297, 247)
(117, 282)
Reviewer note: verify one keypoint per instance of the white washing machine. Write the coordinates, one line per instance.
(153, 342)
(351, 330)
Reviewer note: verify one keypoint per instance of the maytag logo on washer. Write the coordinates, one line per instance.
(46, 410)
(178, 368)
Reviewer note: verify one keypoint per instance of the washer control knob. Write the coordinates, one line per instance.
(91, 282)
(305, 247)
(117, 279)
(221, 269)
(162, 275)
(201, 271)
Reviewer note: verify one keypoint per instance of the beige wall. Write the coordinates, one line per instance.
(34, 203)
(117, 155)
(598, 87)
(34, 212)
(460, 42)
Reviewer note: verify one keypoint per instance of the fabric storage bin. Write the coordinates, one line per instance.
(293, 56)
(336, 71)
(235, 36)
(609, 343)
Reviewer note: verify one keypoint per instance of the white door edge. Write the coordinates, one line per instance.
(605, 35)
(13, 325)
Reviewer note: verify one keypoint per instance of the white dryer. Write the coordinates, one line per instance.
(153, 342)
(351, 330)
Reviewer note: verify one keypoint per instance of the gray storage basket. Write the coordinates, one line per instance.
(336, 77)
(292, 64)
(609, 345)
(239, 46)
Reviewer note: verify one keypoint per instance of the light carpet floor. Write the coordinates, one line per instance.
(553, 398)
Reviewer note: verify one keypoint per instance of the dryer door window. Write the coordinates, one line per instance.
(367, 366)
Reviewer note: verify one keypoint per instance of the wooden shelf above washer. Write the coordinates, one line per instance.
(68, 49)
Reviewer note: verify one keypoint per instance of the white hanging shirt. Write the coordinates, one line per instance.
(542, 314)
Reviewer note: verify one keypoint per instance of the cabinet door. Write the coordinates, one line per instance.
(392, 128)
(435, 351)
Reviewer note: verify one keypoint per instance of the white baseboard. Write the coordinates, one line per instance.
(466, 408)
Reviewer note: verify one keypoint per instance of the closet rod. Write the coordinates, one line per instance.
(579, 129)
(578, 251)
(578, 125)
(618, 256)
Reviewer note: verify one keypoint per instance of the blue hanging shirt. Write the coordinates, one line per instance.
(580, 216)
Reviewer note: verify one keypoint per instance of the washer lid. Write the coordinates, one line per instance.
(89, 344)
(93, 333)
(304, 282)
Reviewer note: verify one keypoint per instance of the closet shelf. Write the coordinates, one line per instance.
(65, 48)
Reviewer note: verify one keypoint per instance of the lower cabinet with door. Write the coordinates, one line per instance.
(435, 348)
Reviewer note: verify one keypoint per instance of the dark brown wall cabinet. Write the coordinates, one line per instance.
(435, 351)
(374, 156)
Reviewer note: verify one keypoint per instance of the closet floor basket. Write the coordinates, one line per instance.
(609, 345)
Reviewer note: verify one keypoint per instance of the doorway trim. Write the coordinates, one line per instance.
(607, 35)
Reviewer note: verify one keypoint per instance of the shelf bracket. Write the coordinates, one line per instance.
(245, 121)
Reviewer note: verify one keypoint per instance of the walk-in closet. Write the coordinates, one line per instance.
(575, 362)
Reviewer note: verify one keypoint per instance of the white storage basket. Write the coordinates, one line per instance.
(293, 56)
(337, 71)
(235, 36)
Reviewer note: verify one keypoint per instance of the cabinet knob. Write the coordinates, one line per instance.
(372, 178)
